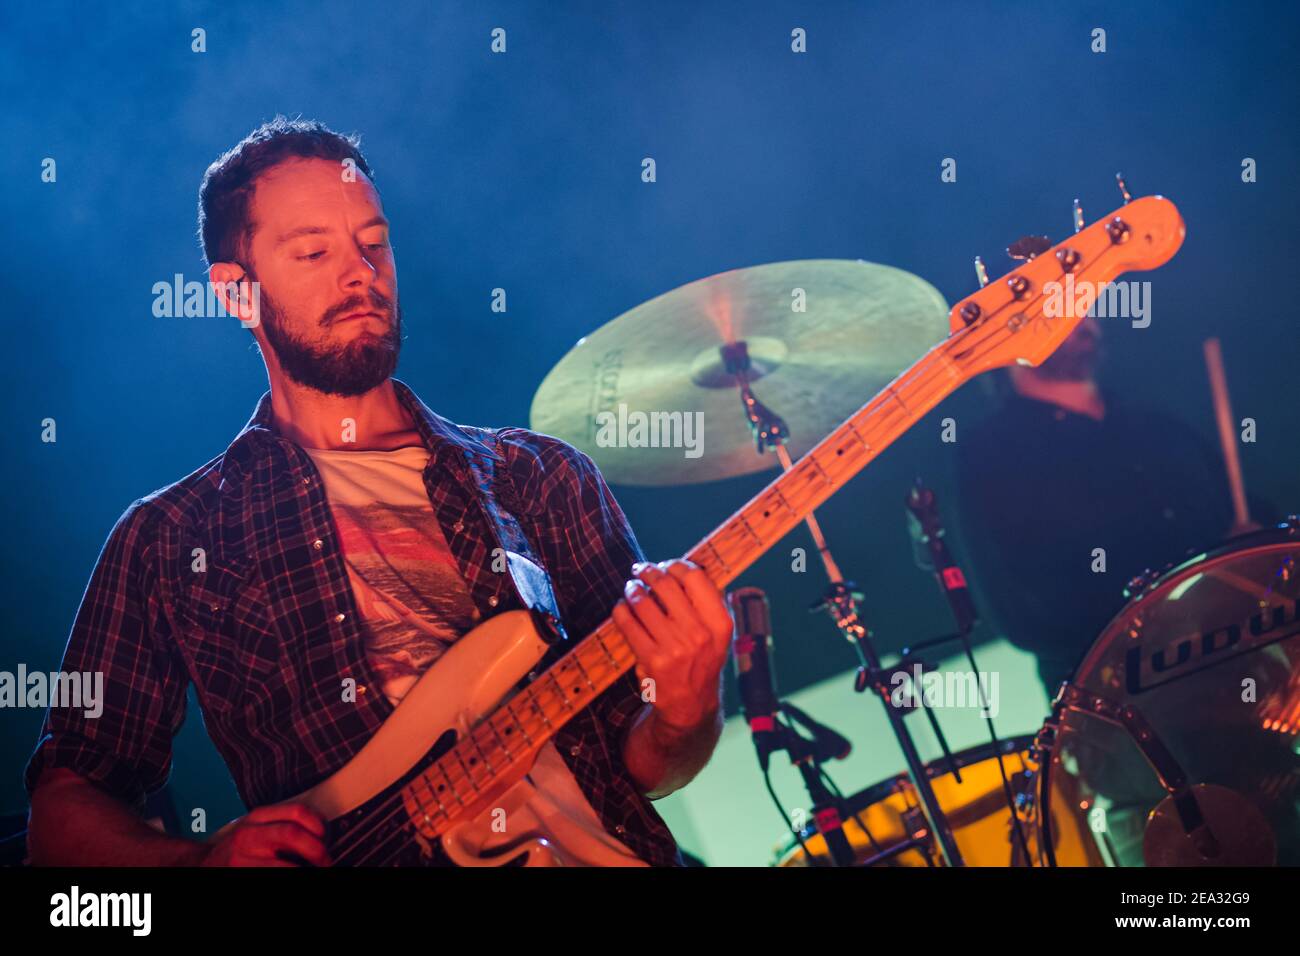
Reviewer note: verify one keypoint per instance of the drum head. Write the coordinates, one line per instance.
(1209, 657)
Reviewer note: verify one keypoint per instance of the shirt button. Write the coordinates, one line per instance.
(458, 527)
(620, 829)
(575, 750)
(216, 607)
(361, 688)
(306, 481)
(318, 544)
(492, 601)
(338, 618)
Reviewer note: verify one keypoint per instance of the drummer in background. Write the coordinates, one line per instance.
(1063, 467)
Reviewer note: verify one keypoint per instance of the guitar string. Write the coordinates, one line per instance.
(926, 378)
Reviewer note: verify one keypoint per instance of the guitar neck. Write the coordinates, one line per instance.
(539, 710)
(744, 537)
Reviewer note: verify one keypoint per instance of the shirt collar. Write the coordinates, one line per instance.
(447, 442)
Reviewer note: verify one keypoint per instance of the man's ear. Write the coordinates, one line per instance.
(240, 295)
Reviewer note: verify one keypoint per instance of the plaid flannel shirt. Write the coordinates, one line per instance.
(269, 630)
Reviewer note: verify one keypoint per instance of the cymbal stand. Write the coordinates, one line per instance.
(840, 601)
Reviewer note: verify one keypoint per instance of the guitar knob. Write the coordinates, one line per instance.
(1078, 216)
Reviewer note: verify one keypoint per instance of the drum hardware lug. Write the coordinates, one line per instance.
(1022, 788)
(918, 829)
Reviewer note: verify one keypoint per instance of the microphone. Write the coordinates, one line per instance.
(751, 649)
(920, 547)
(930, 552)
(827, 744)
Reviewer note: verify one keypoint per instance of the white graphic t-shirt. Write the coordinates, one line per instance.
(414, 604)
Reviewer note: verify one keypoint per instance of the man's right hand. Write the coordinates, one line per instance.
(285, 834)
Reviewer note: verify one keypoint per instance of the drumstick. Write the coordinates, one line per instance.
(1227, 434)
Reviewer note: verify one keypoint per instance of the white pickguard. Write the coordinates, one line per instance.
(468, 682)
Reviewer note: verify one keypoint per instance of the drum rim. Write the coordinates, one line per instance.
(1285, 533)
(969, 756)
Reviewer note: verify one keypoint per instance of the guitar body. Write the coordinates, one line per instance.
(469, 681)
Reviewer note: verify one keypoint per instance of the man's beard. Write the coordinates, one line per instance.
(351, 369)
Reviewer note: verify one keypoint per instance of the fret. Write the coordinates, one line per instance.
(488, 747)
(802, 473)
(748, 527)
(532, 699)
(414, 793)
(776, 491)
(577, 661)
(473, 761)
(449, 785)
(731, 539)
(857, 434)
(564, 672)
(893, 393)
(885, 413)
(595, 665)
(440, 811)
(518, 721)
(717, 556)
(600, 641)
(812, 457)
(564, 698)
(949, 366)
(501, 740)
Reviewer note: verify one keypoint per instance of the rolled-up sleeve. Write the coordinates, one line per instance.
(118, 638)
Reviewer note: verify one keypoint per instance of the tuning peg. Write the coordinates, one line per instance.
(1028, 247)
(980, 272)
(1119, 181)
(1078, 216)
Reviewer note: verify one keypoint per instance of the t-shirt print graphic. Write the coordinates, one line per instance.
(412, 599)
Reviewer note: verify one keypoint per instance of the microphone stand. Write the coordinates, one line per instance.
(827, 812)
(840, 601)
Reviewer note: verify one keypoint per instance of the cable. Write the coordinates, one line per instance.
(767, 781)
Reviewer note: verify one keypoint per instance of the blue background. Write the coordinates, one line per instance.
(522, 171)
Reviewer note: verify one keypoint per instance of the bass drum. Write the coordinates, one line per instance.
(1194, 682)
(886, 820)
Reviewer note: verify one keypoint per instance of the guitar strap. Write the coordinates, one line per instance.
(525, 565)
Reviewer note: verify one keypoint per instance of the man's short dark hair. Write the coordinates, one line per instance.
(227, 191)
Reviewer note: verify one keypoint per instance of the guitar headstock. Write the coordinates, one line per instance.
(1021, 313)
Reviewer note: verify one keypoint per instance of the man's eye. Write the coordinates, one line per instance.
(312, 255)
(377, 245)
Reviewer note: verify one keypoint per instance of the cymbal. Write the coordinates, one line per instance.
(823, 336)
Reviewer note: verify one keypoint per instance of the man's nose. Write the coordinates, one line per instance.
(359, 274)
